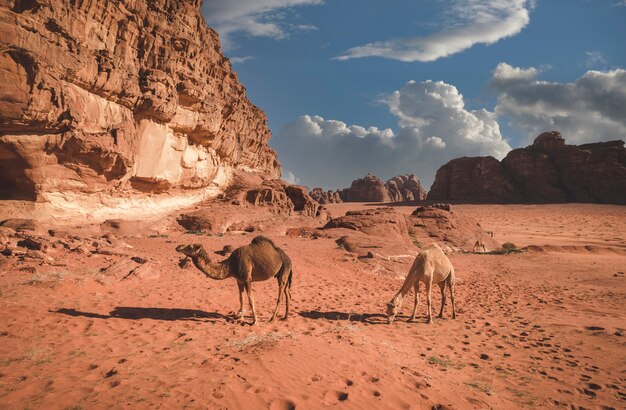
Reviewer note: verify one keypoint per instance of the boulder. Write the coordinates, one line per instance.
(302, 201)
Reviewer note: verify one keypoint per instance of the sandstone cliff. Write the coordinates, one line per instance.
(114, 107)
(370, 188)
(548, 171)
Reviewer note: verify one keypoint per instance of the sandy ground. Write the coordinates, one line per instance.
(535, 329)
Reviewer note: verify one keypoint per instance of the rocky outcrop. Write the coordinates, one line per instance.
(302, 201)
(479, 179)
(325, 197)
(370, 188)
(251, 203)
(548, 171)
(106, 105)
(404, 188)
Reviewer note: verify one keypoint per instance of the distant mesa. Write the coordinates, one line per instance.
(548, 171)
(109, 110)
(370, 188)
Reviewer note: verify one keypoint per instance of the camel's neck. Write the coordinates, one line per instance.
(211, 270)
(406, 288)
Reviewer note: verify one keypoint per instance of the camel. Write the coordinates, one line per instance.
(479, 246)
(430, 266)
(261, 260)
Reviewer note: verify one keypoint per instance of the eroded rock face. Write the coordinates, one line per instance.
(403, 188)
(370, 188)
(548, 171)
(104, 102)
(479, 179)
(325, 197)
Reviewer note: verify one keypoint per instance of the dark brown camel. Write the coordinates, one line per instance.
(261, 260)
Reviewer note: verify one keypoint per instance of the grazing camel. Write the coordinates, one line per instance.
(261, 260)
(430, 266)
(479, 246)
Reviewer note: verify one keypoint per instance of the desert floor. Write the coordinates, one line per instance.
(542, 328)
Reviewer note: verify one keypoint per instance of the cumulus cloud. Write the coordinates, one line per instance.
(433, 127)
(593, 108)
(257, 18)
(473, 22)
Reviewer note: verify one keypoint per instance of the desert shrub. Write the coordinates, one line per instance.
(509, 247)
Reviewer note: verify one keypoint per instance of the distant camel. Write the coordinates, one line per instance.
(479, 246)
(261, 260)
(430, 266)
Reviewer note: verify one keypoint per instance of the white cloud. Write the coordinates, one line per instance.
(595, 58)
(291, 178)
(257, 18)
(240, 60)
(434, 127)
(473, 22)
(593, 108)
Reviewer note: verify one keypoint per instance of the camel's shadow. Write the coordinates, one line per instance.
(370, 318)
(134, 313)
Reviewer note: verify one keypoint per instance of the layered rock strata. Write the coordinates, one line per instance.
(115, 107)
(548, 171)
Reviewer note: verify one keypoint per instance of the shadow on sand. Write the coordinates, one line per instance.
(371, 318)
(124, 312)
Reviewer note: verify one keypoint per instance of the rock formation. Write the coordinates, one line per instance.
(401, 188)
(548, 171)
(370, 188)
(251, 203)
(105, 105)
(325, 197)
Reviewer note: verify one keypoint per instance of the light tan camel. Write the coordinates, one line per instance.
(479, 246)
(430, 266)
(261, 260)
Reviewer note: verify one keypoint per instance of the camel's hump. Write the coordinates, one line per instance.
(257, 240)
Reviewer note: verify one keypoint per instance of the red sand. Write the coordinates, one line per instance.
(536, 329)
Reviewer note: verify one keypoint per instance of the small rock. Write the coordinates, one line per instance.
(484, 356)
(33, 244)
(21, 225)
(111, 373)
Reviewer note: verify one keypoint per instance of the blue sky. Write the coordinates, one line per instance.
(345, 83)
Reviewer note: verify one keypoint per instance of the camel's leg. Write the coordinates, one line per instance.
(429, 285)
(248, 287)
(451, 287)
(287, 291)
(442, 286)
(416, 289)
(282, 283)
(239, 314)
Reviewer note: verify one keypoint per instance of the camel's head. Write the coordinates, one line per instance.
(189, 250)
(392, 311)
